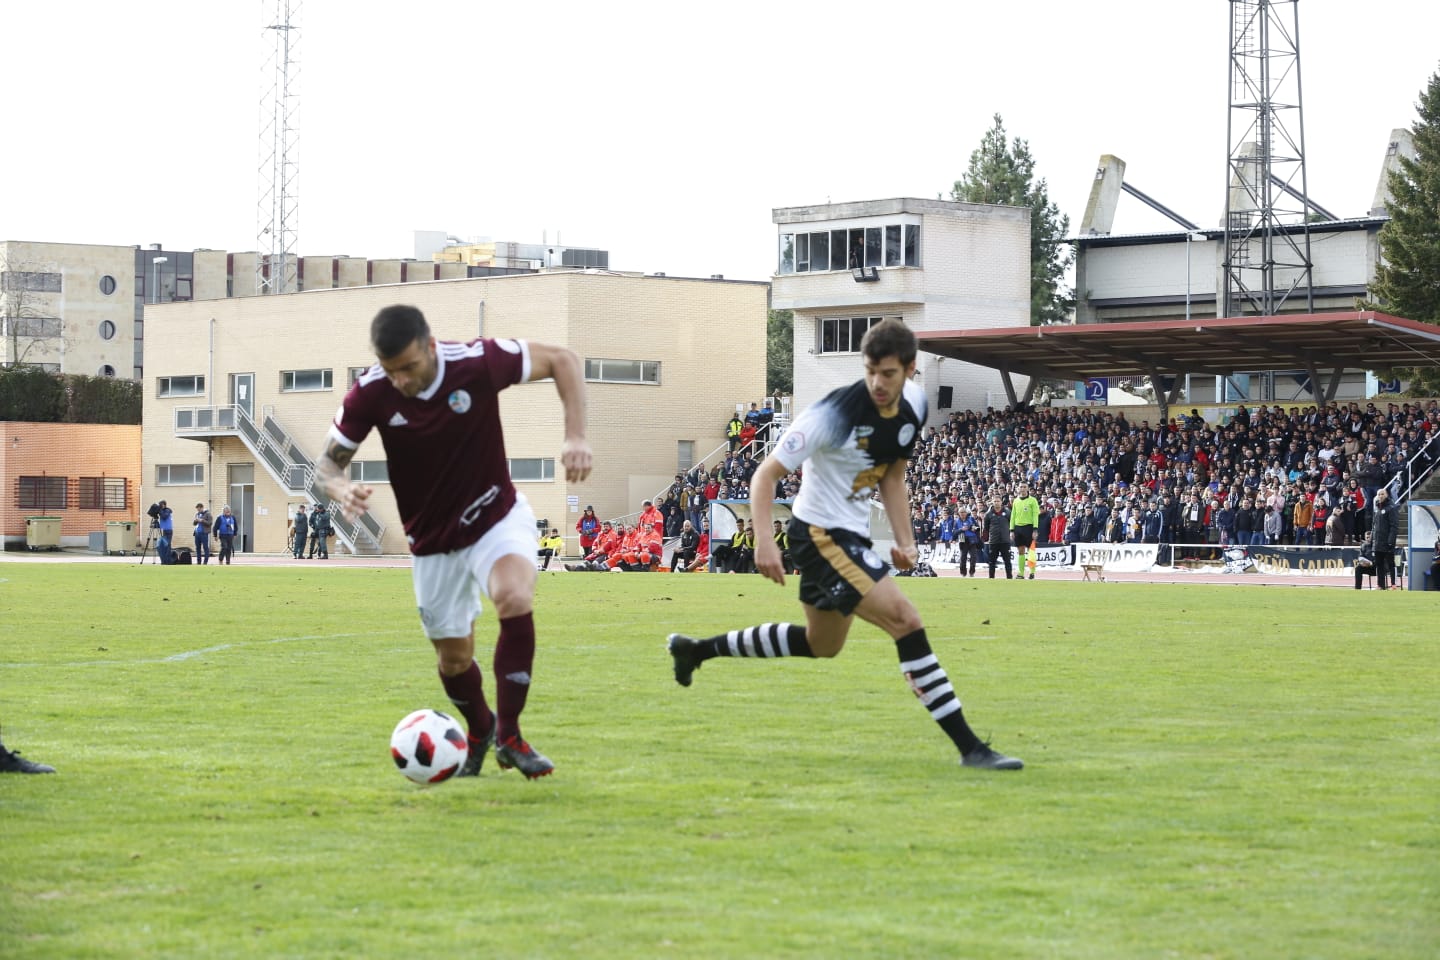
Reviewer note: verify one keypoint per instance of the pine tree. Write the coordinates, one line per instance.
(1407, 279)
(1002, 171)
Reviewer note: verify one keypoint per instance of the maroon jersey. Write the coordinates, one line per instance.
(445, 448)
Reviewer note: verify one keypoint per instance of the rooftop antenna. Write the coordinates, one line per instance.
(275, 263)
(1267, 204)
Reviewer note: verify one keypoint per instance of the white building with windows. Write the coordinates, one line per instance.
(935, 264)
(239, 392)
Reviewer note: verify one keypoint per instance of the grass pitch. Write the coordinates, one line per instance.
(1237, 774)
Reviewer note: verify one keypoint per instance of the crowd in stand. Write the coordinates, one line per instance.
(1304, 476)
(1267, 475)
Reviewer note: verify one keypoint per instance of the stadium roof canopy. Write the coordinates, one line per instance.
(1335, 342)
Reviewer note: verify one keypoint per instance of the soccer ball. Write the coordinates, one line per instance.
(428, 746)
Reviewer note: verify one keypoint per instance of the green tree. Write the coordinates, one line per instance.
(1407, 279)
(1002, 171)
(780, 352)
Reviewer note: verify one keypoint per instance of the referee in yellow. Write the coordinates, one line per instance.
(1024, 517)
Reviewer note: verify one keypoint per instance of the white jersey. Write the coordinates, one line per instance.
(846, 446)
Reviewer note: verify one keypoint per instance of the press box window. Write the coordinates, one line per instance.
(843, 334)
(301, 381)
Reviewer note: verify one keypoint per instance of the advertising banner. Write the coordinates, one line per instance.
(1118, 557)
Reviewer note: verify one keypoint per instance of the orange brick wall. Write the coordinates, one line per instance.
(70, 450)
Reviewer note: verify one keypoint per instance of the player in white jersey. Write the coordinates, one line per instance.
(854, 445)
(435, 405)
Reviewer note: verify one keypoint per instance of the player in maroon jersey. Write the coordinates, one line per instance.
(436, 406)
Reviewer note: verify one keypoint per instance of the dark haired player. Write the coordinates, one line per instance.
(853, 444)
(436, 406)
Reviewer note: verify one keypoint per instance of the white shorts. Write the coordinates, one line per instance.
(448, 585)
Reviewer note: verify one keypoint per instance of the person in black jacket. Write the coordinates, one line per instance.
(1385, 532)
(997, 537)
(684, 556)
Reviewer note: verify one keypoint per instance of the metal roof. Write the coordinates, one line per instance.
(1361, 340)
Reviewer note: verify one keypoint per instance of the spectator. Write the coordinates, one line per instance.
(968, 540)
(1385, 532)
(1365, 564)
(321, 530)
(226, 528)
(733, 429)
(301, 525)
(651, 519)
(780, 536)
(997, 537)
(686, 551)
(204, 520)
(550, 547)
(588, 527)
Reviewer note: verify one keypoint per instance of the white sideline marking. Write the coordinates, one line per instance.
(192, 654)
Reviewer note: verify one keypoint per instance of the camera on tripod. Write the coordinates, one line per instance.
(154, 514)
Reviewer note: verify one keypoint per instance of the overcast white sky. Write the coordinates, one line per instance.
(663, 132)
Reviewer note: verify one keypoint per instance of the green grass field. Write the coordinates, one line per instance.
(1213, 772)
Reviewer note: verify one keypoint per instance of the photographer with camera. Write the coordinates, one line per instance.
(162, 518)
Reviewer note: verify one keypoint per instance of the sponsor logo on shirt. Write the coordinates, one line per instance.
(460, 401)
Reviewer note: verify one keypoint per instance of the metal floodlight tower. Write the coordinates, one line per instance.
(275, 264)
(1267, 208)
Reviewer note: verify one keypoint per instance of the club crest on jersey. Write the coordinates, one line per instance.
(872, 559)
(794, 442)
(907, 433)
(460, 401)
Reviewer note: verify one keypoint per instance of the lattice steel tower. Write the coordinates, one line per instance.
(275, 265)
(1267, 209)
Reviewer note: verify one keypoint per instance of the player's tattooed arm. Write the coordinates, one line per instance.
(332, 472)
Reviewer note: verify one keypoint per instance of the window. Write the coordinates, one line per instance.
(533, 469)
(369, 471)
(181, 386)
(623, 371)
(107, 330)
(14, 281)
(891, 245)
(299, 381)
(102, 493)
(107, 285)
(38, 328)
(105, 370)
(42, 493)
(179, 474)
(843, 334)
(912, 245)
(353, 374)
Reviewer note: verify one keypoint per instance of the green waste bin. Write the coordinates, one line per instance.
(42, 533)
(120, 536)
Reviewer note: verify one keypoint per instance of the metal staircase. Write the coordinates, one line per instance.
(286, 462)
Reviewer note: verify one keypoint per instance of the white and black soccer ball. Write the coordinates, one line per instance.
(428, 746)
